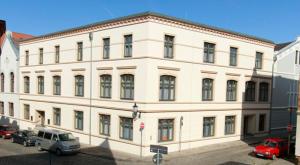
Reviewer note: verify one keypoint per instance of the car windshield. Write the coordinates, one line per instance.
(8, 129)
(270, 143)
(66, 137)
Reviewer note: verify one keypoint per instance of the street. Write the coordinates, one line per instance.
(15, 154)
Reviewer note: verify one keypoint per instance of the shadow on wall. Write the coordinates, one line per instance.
(6, 121)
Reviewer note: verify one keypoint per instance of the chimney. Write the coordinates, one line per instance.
(2, 27)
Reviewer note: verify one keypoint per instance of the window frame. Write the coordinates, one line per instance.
(231, 132)
(26, 84)
(127, 86)
(169, 123)
(128, 45)
(211, 90)
(169, 46)
(263, 92)
(56, 87)
(41, 56)
(259, 64)
(209, 50)
(12, 82)
(104, 120)
(80, 51)
(168, 87)
(77, 85)
(105, 86)
(26, 108)
(106, 48)
(211, 133)
(252, 95)
(129, 126)
(76, 120)
(41, 84)
(56, 116)
(57, 54)
(231, 55)
(233, 90)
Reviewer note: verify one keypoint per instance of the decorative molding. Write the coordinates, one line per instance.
(104, 68)
(259, 76)
(56, 70)
(25, 72)
(126, 67)
(208, 72)
(232, 74)
(78, 69)
(39, 71)
(168, 68)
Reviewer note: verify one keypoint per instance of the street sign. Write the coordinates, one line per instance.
(157, 157)
(159, 149)
(142, 125)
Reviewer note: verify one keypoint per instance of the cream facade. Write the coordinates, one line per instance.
(181, 114)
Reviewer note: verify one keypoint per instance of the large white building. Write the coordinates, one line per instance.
(193, 84)
(9, 64)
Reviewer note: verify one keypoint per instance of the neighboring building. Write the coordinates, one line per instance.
(193, 84)
(285, 87)
(9, 64)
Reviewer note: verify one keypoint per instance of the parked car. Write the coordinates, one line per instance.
(58, 141)
(25, 137)
(272, 148)
(6, 131)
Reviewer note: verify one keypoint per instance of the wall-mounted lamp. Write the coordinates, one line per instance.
(136, 112)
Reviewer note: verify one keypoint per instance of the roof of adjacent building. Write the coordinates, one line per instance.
(16, 37)
(154, 14)
(282, 45)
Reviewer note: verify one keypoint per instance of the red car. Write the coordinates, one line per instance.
(272, 148)
(6, 131)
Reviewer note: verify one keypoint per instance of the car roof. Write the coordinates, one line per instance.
(52, 131)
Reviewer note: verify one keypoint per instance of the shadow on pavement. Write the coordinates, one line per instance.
(233, 163)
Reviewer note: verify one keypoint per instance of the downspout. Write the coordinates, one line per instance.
(91, 53)
(272, 97)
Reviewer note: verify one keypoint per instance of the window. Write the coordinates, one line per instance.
(207, 89)
(128, 46)
(167, 88)
(1, 107)
(231, 90)
(27, 57)
(105, 86)
(79, 120)
(11, 109)
(263, 91)
(26, 111)
(26, 84)
(262, 122)
(250, 91)
(233, 56)
(296, 57)
(41, 56)
(2, 82)
(106, 48)
(104, 125)
(56, 116)
(40, 84)
(229, 125)
(79, 51)
(209, 52)
(169, 45)
(12, 82)
(165, 130)
(258, 60)
(126, 128)
(56, 85)
(208, 126)
(41, 134)
(57, 51)
(48, 135)
(79, 85)
(127, 86)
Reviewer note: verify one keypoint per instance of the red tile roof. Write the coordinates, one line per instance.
(16, 37)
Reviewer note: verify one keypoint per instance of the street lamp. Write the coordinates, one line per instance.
(135, 112)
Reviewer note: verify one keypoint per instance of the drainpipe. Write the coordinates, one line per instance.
(91, 53)
(271, 101)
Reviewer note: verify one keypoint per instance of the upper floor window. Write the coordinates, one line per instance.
(250, 91)
(79, 85)
(12, 82)
(207, 89)
(233, 56)
(40, 84)
(2, 82)
(41, 56)
(79, 51)
(231, 90)
(26, 84)
(263, 91)
(209, 52)
(56, 85)
(165, 130)
(127, 86)
(26, 57)
(128, 46)
(258, 60)
(106, 48)
(169, 45)
(296, 57)
(167, 88)
(105, 86)
(57, 52)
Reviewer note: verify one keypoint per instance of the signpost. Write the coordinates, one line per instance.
(142, 126)
(159, 150)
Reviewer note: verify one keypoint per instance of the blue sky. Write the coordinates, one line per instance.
(276, 20)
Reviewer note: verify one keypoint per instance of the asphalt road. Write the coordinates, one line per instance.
(16, 154)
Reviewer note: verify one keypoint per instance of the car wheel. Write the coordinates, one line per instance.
(273, 157)
(25, 144)
(58, 152)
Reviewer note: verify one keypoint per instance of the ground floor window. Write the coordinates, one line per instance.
(79, 120)
(26, 111)
(11, 109)
(104, 125)
(165, 130)
(126, 128)
(262, 122)
(2, 108)
(229, 125)
(208, 126)
(56, 116)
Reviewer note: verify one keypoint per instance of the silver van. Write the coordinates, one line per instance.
(58, 141)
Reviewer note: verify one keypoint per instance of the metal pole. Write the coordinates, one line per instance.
(91, 55)
(141, 149)
(157, 159)
(180, 132)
